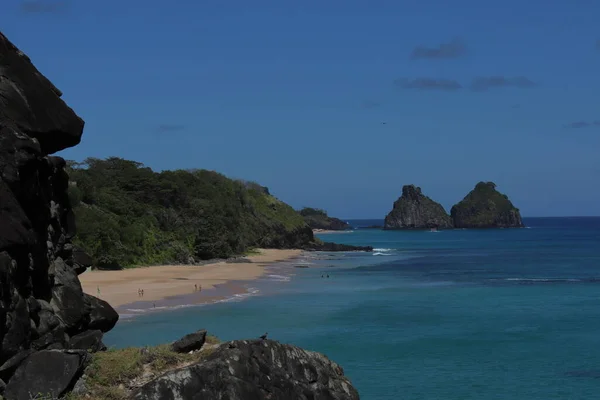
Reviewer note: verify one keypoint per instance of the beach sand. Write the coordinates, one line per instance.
(325, 231)
(167, 282)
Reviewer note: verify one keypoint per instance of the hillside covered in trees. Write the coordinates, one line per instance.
(127, 215)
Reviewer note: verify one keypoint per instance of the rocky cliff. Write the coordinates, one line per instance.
(318, 219)
(414, 210)
(42, 305)
(485, 207)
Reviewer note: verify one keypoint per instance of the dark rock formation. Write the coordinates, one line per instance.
(255, 369)
(333, 247)
(190, 342)
(41, 301)
(48, 373)
(485, 207)
(89, 340)
(102, 316)
(318, 219)
(414, 210)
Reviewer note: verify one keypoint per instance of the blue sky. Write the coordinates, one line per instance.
(295, 94)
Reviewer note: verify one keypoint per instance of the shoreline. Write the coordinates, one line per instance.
(172, 286)
(329, 231)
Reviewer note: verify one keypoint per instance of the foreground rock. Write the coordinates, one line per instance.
(414, 210)
(485, 207)
(48, 373)
(318, 219)
(256, 369)
(41, 302)
(190, 342)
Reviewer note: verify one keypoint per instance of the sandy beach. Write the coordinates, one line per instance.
(161, 282)
(322, 231)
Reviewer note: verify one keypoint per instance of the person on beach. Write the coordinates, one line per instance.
(199, 288)
(98, 287)
(142, 292)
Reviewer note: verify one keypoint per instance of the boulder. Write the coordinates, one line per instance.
(102, 316)
(190, 342)
(10, 366)
(88, 340)
(48, 372)
(55, 339)
(254, 369)
(485, 207)
(81, 260)
(414, 210)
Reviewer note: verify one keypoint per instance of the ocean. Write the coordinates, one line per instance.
(454, 315)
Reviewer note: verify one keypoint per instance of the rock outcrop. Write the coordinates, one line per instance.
(47, 374)
(485, 207)
(254, 369)
(42, 304)
(335, 247)
(318, 219)
(414, 210)
(190, 342)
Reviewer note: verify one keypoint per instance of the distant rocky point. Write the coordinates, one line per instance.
(318, 219)
(414, 210)
(485, 207)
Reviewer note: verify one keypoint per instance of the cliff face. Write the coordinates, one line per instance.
(485, 207)
(42, 305)
(414, 210)
(318, 219)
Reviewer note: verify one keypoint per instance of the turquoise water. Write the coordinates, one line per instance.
(460, 314)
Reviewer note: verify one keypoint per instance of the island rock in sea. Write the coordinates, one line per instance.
(43, 307)
(414, 210)
(485, 207)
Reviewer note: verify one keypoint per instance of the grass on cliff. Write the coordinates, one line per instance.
(111, 373)
(128, 215)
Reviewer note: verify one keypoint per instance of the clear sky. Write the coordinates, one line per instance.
(336, 104)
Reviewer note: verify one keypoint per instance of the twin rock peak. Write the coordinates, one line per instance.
(482, 207)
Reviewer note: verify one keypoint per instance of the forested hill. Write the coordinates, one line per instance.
(127, 215)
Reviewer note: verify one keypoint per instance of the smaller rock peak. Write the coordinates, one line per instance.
(411, 191)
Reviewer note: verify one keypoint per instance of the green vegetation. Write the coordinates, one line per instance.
(318, 219)
(128, 215)
(112, 372)
(484, 206)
